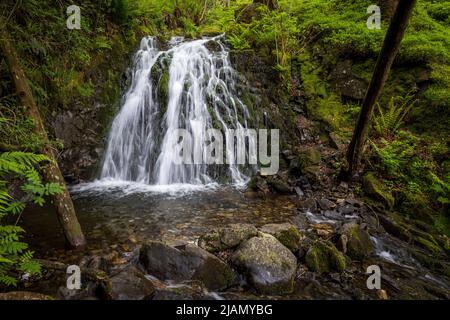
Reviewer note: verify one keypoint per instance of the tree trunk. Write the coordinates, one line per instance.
(64, 205)
(390, 48)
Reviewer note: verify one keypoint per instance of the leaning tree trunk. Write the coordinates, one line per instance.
(390, 48)
(64, 205)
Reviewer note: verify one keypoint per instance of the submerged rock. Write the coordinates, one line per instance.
(286, 233)
(187, 263)
(226, 238)
(323, 257)
(269, 266)
(131, 284)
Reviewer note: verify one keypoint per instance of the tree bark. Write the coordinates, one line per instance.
(63, 202)
(391, 45)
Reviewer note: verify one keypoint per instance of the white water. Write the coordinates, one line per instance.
(201, 95)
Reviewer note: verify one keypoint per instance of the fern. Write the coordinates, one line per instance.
(389, 122)
(15, 258)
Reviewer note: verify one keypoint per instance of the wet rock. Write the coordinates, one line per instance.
(269, 266)
(24, 295)
(326, 204)
(333, 215)
(323, 257)
(313, 174)
(258, 183)
(392, 223)
(186, 263)
(131, 284)
(286, 233)
(358, 244)
(280, 186)
(308, 205)
(182, 291)
(347, 209)
(95, 262)
(227, 237)
(374, 188)
(323, 230)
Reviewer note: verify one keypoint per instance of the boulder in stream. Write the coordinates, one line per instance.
(131, 284)
(269, 266)
(323, 257)
(187, 262)
(356, 241)
(286, 233)
(226, 238)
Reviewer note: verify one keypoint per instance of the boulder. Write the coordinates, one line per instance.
(286, 233)
(226, 238)
(188, 262)
(323, 257)
(269, 266)
(131, 284)
(280, 186)
(375, 189)
(357, 241)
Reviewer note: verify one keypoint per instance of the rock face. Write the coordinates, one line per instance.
(226, 238)
(286, 233)
(131, 284)
(269, 266)
(323, 257)
(357, 241)
(347, 83)
(375, 189)
(187, 263)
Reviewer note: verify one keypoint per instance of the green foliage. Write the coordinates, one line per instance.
(15, 257)
(388, 122)
(409, 167)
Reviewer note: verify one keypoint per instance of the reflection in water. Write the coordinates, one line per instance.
(175, 214)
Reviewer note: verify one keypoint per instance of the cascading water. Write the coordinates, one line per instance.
(186, 87)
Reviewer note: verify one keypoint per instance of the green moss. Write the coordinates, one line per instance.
(429, 244)
(323, 257)
(375, 189)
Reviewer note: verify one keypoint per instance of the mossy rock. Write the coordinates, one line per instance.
(227, 237)
(358, 243)
(269, 266)
(286, 233)
(375, 189)
(324, 257)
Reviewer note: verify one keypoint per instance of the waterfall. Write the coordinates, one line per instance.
(190, 86)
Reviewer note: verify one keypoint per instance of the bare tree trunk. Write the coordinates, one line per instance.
(64, 205)
(391, 45)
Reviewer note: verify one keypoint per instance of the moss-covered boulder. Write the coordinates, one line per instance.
(357, 241)
(269, 266)
(286, 233)
(323, 257)
(227, 237)
(375, 189)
